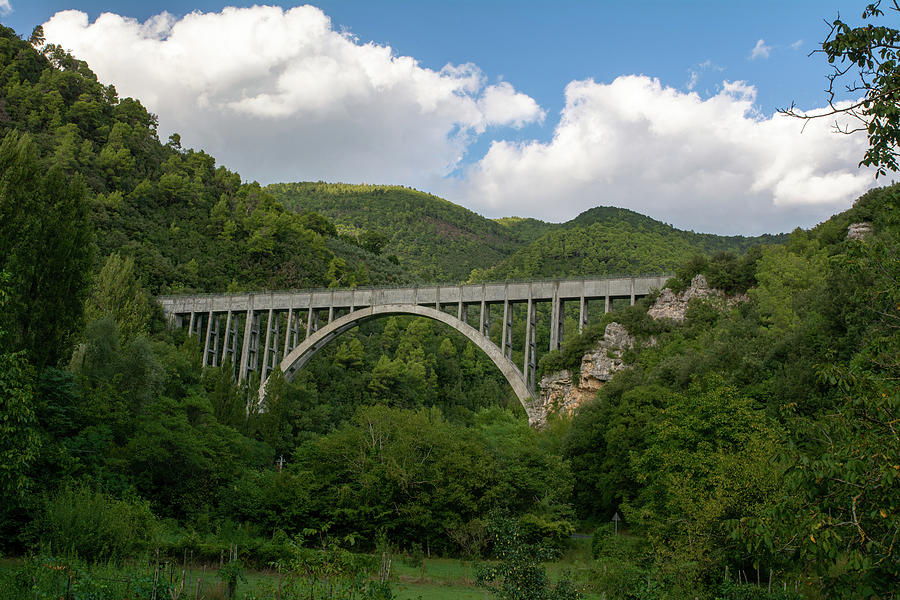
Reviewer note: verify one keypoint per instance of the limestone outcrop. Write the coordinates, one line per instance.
(559, 393)
(858, 231)
(670, 305)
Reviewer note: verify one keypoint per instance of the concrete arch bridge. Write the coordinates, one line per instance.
(285, 329)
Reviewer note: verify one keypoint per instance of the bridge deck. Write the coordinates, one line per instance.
(491, 292)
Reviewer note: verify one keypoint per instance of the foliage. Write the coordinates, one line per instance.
(517, 573)
(434, 239)
(19, 440)
(333, 572)
(723, 270)
(118, 293)
(623, 562)
(45, 247)
(80, 522)
(231, 573)
(839, 510)
(707, 460)
(47, 576)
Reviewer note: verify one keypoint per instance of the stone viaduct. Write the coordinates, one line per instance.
(299, 323)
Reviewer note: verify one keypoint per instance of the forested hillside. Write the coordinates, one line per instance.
(761, 438)
(613, 241)
(435, 240)
(188, 224)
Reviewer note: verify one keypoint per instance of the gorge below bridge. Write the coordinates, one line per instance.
(294, 325)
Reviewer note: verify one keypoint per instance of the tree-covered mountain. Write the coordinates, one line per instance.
(434, 239)
(613, 241)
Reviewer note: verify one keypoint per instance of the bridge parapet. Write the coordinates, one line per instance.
(293, 317)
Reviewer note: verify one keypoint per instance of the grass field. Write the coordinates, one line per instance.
(428, 578)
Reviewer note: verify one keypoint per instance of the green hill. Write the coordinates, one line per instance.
(613, 241)
(188, 224)
(434, 239)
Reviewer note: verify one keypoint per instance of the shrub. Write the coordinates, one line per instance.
(94, 526)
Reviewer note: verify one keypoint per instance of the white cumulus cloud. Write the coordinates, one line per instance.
(713, 164)
(279, 95)
(760, 50)
(5, 7)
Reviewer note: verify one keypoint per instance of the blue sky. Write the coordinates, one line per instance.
(567, 104)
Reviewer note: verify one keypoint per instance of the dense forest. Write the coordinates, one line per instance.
(742, 445)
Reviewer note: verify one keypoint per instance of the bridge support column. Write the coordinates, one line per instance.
(245, 350)
(253, 357)
(506, 335)
(555, 321)
(560, 323)
(225, 346)
(287, 332)
(582, 314)
(250, 351)
(217, 340)
(211, 347)
(275, 339)
(485, 325)
(530, 345)
(312, 322)
(191, 325)
(209, 320)
(295, 332)
(331, 312)
(607, 304)
(266, 351)
(632, 291)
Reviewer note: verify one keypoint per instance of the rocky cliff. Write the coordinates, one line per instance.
(559, 393)
(670, 305)
(563, 393)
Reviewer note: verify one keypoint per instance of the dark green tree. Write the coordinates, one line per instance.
(46, 247)
(517, 573)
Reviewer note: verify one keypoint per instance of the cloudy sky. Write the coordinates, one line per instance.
(508, 107)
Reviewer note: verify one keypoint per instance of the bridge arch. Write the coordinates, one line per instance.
(299, 356)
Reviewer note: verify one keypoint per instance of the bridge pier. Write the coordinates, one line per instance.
(582, 314)
(506, 334)
(530, 362)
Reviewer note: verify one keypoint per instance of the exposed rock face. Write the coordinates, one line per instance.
(674, 306)
(858, 231)
(563, 393)
(558, 391)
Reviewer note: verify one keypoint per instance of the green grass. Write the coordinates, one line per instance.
(444, 578)
(431, 591)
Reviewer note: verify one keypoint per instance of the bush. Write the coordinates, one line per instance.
(622, 564)
(94, 526)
